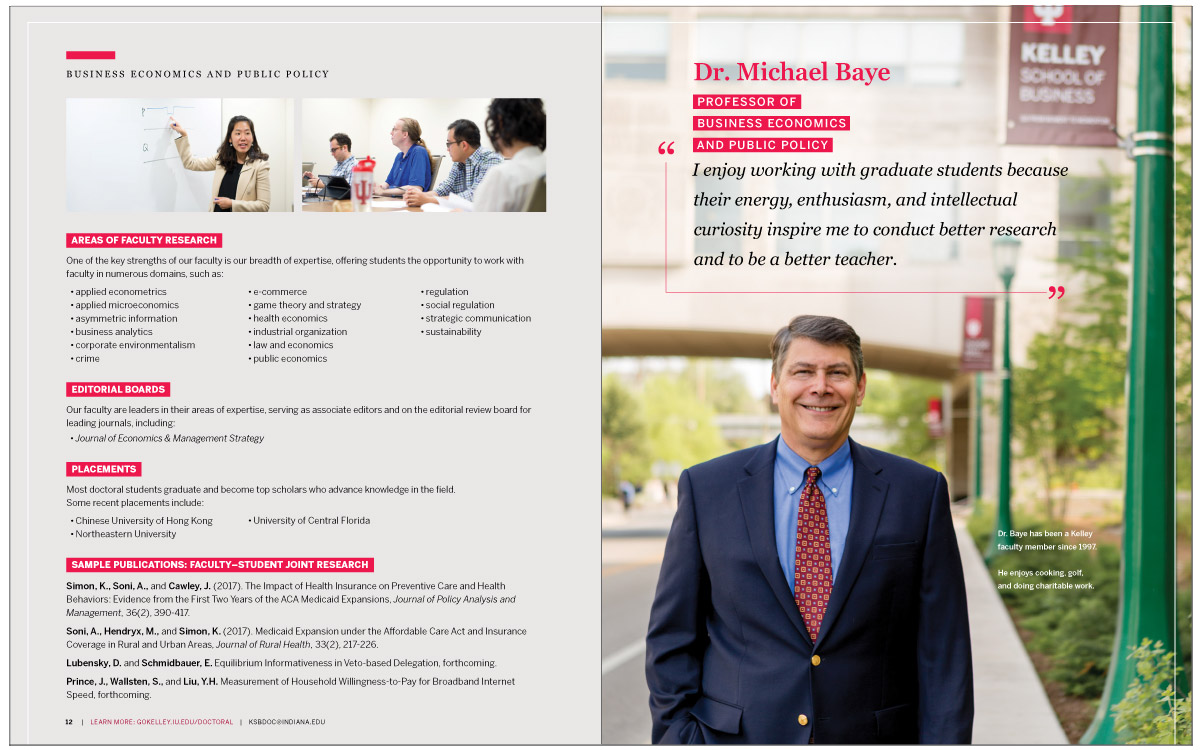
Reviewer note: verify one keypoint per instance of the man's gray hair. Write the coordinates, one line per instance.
(819, 328)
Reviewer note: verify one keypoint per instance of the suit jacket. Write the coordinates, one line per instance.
(728, 658)
(254, 181)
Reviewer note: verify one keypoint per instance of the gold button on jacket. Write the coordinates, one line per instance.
(816, 660)
(803, 720)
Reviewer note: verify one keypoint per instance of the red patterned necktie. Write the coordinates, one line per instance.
(814, 572)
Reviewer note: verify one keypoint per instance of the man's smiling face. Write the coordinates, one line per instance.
(816, 392)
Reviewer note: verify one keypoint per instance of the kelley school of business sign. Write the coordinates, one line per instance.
(1062, 75)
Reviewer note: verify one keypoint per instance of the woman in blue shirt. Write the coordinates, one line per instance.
(412, 165)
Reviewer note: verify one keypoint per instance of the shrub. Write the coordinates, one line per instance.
(1081, 646)
(1074, 627)
(1151, 713)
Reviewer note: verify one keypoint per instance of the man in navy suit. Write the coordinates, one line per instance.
(811, 589)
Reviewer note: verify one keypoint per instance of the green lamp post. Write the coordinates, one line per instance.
(1004, 253)
(1148, 551)
(977, 497)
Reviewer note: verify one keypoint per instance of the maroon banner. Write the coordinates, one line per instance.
(1062, 75)
(979, 325)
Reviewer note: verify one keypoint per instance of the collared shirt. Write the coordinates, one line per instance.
(344, 168)
(411, 169)
(466, 176)
(509, 185)
(836, 483)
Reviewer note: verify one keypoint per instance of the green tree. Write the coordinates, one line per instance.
(1062, 406)
(1090, 340)
(1066, 400)
(721, 387)
(1183, 285)
(680, 427)
(901, 402)
(623, 436)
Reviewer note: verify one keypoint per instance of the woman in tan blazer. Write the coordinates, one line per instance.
(242, 181)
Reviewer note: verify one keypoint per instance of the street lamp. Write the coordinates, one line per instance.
(1147, 610)
(1004, 254)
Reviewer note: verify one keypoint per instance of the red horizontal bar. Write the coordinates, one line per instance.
(91, 55)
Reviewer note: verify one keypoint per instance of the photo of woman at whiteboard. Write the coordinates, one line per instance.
(241, 181)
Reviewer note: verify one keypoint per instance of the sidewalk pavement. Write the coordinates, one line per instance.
(635, 538)
(1011, 707)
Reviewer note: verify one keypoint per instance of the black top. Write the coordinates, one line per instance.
(229, 187)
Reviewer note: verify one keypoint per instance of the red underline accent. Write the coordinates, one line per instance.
(998, 294)
(91, 55)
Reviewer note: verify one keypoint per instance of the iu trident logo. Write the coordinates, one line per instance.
(1048, 13)
(1048, 19)
(362, 191)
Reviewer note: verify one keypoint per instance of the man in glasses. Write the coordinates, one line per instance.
(339, 146)
(471, 163)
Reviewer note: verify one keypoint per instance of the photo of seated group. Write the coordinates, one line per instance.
(412, 155)
(179, 155)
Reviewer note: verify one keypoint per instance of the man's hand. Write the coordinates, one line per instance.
(313, 180)
(415, 197)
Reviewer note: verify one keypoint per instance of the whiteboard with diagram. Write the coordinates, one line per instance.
(121, 154)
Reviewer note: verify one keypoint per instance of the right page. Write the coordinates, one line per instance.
(897, 387)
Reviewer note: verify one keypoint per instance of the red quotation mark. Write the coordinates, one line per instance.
(669, 149)
(1059, 290)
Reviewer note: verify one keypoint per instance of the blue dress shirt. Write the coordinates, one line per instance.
(836, 483)
(466, 176)
(411, 169)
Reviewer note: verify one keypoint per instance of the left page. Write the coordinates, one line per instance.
(303, 364)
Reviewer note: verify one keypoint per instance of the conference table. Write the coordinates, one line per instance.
(329, 206)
